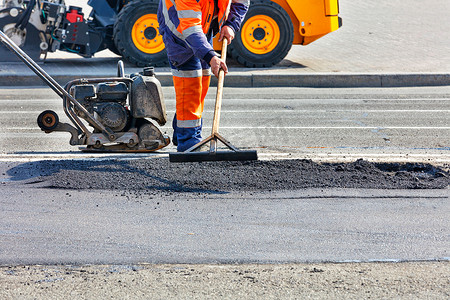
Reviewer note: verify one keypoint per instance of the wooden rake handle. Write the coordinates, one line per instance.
(219, 94)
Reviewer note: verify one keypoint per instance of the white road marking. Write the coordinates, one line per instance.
(254, 99)
(319, 157)
(283, 127)
(224, 111)
(330, 127)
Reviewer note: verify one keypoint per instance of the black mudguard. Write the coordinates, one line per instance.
(32, 41)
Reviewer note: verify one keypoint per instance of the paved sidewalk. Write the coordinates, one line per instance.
(382, 43)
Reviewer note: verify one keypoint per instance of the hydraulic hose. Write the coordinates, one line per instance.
(25, 17)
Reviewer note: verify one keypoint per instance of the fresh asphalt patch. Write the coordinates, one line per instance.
(156, 175)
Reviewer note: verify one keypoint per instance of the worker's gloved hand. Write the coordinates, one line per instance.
(226, 32)
(216, 64)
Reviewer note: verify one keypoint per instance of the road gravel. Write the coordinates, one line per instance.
(414, 280)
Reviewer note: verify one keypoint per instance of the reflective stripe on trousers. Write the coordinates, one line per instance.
(191, 86)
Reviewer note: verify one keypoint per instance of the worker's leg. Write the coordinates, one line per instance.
(187, 126)
(206, 81)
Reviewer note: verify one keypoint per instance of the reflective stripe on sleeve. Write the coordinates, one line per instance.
(193, 29)
(190, 14)
(169, 23)
(172, 26)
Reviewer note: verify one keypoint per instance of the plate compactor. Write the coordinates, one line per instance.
(120, 110)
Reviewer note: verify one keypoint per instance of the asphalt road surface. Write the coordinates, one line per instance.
(410, 124)
(59, 226)
(47, 226)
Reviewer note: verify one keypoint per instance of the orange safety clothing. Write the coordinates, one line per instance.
(187, 27)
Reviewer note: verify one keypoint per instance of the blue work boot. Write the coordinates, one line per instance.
(185, 138)
(188, 137)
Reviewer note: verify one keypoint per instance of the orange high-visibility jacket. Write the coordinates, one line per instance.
(185, 25)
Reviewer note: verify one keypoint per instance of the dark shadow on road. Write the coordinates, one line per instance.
(103, 174)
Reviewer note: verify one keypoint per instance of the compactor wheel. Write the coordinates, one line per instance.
(136, 34)
(266, 35)
(48, 120)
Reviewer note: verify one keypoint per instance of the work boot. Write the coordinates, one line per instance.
(188, 137)
(185, 138)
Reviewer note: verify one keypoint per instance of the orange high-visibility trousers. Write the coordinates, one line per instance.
(191, 87)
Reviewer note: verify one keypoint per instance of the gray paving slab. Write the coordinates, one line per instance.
(382, 43)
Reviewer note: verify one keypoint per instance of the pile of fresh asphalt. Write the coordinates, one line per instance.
(215, 177)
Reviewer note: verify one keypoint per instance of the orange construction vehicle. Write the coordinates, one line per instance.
(271, 27)
(130, 28)
(268, 32)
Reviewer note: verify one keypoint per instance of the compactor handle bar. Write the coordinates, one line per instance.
(55, 86)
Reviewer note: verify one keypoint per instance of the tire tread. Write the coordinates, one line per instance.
(157, 60)
(246, 59)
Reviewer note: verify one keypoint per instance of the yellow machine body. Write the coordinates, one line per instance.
(311, 19)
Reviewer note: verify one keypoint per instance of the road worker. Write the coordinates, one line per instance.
(187, 27)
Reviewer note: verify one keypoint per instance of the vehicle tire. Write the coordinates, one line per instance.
(266, 35)
(112, 47)
(136, 34)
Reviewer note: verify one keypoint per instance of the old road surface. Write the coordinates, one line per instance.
(42, 224)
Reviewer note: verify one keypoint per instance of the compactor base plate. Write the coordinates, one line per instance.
(118, 149)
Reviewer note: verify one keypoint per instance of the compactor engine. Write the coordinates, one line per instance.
(121, 112)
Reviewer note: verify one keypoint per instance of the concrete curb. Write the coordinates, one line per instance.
(248, 79)
(351, 80)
